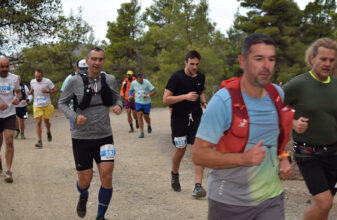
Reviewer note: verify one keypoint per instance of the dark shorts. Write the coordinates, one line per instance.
(21, 112)
(145, 108)
(185, 126)
(319, 173)
(86, 150)
(131, 105)
(8, 123)
(270, 209)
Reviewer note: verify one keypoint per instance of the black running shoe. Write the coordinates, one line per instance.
(175, 182)
(100, 218)
(82, 207)
(198, 191)
(50, 138)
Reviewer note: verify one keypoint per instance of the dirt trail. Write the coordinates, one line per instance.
(44, 179)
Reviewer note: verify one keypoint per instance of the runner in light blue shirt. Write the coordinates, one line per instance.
(143, 90)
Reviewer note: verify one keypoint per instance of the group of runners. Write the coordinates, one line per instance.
(14, 98)
(241, 133)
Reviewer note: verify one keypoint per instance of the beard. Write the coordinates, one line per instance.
(3, 74)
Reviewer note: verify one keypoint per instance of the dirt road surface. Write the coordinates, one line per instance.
(44, 179)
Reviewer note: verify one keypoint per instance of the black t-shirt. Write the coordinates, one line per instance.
(179, 84)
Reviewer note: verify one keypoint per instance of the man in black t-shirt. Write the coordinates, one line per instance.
(184, 92)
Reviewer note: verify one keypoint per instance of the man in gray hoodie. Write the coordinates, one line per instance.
(91, 133)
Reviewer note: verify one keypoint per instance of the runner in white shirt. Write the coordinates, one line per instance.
(9, 84)
(42, 88)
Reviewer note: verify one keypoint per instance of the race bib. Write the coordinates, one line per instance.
(5, 88)
(107, 152)
(41, 99)
(142, 92)
(180, 142)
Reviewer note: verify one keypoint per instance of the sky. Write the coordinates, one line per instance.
(97, 13)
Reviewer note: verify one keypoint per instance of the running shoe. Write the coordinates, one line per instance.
(149, 129)
(23, 136)
(175, 182)
(50, 138)
(81, 207)
(141, 135)
(100, 218)
(131, 130)
(8, 176)
(137, 126)
(198, 191)
(39, 144)
(16, 135)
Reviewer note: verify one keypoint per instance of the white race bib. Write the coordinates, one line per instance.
(107, 152)
(5, 88)
(41, 99)
(180, 142)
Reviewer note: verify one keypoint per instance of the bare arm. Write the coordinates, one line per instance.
(205, 155)
(203, 99)
(169, 98)
(300, 125)
(17, 98)
(51, 91)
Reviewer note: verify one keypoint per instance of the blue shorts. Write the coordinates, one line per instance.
(145, 108)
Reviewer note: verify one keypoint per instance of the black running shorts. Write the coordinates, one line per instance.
(319, 173)
(185, 125)
(21, 111)
(7, 123)
(86, 150)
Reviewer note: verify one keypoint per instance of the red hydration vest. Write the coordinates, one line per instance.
(235, 138)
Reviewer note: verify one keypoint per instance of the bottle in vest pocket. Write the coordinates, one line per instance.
(107, 152)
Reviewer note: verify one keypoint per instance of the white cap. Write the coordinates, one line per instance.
(82, 64)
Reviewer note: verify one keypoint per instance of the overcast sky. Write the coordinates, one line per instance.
(97, 13)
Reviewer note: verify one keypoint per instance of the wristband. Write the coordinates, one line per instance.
(285, 155)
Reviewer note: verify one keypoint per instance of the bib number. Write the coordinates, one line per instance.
(5, 88)
(180, 142)
(41, 99)
(107, 152)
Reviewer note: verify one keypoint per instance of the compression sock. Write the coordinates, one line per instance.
(131, 126)
(104, 197)
(137, 126)
(83, 192)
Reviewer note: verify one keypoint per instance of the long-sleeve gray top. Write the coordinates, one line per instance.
(98, 121)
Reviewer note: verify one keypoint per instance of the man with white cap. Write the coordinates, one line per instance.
(81, 68)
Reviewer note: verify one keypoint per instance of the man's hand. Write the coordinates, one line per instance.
(285, 168)
(3, 106)
(254, 156)
(81, 120)
(16, 101)
(192, 96)
(43, 90)
(300, 125)
(116, 109)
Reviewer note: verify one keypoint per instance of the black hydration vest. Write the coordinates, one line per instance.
(23, 92)
(106, 94)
